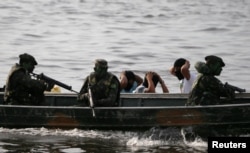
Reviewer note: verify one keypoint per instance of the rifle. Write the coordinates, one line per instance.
(52, 81)
(91, 103)
(234, 88)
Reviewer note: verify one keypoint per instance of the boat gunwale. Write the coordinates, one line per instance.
(143, 95)
(140, 95)
(129, 107)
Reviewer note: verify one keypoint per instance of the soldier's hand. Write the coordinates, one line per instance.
(83, 97)
(49, 86)
(43, 85)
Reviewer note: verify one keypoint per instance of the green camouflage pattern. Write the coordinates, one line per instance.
(105, 91)
(207, 89)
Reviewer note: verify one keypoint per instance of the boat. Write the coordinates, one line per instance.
(134, 112)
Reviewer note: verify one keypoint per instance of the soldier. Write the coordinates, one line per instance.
(207, 89)
(21, 89)
(104, 85)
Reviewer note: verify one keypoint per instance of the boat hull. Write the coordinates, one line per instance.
(132, 114)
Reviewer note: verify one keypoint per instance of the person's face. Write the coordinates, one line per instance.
(100, 71)
(29, 66)
(216, 68)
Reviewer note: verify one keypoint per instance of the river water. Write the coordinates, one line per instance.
(66, 36)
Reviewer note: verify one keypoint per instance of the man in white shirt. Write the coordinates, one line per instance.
(182, 72)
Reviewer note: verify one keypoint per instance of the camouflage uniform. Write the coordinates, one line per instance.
(105, 89)
(207, 89)
(21, 89)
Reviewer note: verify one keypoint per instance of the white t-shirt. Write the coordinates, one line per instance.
(139, 89)
(186, 85)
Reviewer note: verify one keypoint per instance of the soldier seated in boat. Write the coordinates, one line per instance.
(129, 81)
(104, 86)
(181, 70)
(150, 82)
(207, 89)
(21, 89)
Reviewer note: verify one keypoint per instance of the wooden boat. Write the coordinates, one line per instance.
(135, 111)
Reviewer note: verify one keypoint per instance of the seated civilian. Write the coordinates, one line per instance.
(150, 82)
(129, 81)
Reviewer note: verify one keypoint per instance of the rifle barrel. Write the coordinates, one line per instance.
(48, 79)
(234, 87)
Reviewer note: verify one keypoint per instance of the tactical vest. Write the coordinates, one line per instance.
(19, 94)
(202, 96)
(8, 91)
(101, 88)
(195, 95)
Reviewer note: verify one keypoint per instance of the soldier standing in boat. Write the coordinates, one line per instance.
(105, 86)
(21, 89)
(207, 89)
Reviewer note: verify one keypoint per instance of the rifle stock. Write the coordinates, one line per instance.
(91, 103)
(234, 88)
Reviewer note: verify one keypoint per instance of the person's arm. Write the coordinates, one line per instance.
(123, 80)
(163, 85)
(217, 89)
(25, 80)
(84, 88)
(185, 70)
(172, 71)
(138, 80)
(228, 93)
(83, 94)
(151, 86)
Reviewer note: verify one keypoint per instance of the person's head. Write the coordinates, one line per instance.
(177, 68)
(155, 80)
(101, 67)
(215, 64)
(131, 78)
(27, 61)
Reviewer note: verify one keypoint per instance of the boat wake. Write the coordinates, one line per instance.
(168, 138)
(132, 140)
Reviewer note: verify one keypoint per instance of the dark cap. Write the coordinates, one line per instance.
(211, 59)
(101, 63)
(27, 58)
(179, 62)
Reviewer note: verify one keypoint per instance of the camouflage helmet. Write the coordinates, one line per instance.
(211, 59)
(101, 63)
(27, 58)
